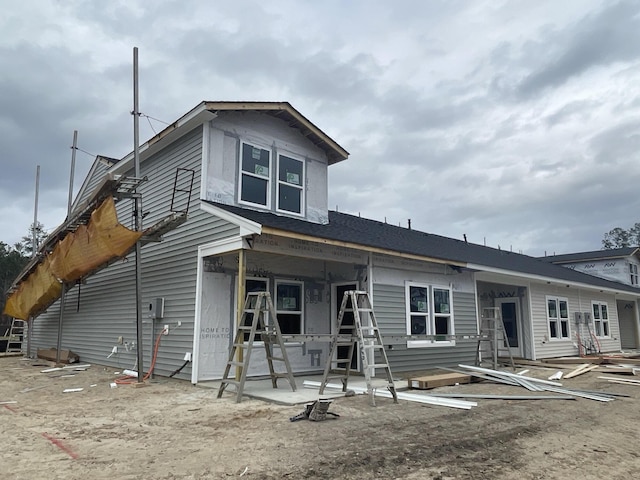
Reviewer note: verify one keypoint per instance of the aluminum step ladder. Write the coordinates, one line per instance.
(363, 335)
(16, 336)
(253, 327)
(494, 335)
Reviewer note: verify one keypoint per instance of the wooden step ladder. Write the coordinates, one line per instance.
(493, 334)
(250, 330)
(364, 335)
(16, 335)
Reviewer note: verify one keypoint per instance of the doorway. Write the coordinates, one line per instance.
(510, 312)
(338, 290)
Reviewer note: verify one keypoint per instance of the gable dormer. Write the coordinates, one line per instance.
(267, 156)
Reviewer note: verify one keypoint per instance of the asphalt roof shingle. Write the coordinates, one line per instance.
(372, 233)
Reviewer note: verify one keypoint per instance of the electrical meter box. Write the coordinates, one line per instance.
(587, 317)
(156, 308)
(578, 317)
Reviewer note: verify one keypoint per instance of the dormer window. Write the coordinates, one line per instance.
(255, 175)
(291, 182)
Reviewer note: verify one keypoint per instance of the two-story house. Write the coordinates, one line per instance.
(259, 220)
(620, 265)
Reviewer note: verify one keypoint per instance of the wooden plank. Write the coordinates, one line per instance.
(584, 368)
(438, 380)
(573, 360)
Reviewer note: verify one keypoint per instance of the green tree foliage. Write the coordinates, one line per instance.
(11, 264)
(619, 237)
(25, 246)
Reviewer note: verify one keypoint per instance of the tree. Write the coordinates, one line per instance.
(619, 237)
(25, 246)
(11, 264)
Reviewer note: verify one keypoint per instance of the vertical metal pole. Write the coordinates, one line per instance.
(63, 292)
(33, 252)
(242, 270)
(73, 169)
(34, 241)
(138, 214)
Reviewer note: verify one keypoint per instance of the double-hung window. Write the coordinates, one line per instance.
(600, 318)
(429, 312)
(633, 273)
(255, 175)
(291, 183)
(289, 307)
(558, 317)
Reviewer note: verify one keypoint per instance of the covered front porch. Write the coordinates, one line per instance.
(306, 281)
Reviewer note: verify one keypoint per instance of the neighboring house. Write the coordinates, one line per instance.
(620, 265)
(259, 210)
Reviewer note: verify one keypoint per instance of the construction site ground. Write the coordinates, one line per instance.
(170, 429)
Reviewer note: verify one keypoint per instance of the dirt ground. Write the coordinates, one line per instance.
(173, 430)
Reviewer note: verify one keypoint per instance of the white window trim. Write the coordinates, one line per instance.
(607, 321)
(269, 179)
(280, 281)
(558, 319)
(302, 186)
(633, 273)
(431, 315)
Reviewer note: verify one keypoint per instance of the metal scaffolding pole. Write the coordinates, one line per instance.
(138, 215)
(63, 292)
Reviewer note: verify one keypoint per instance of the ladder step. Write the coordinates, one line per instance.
(234, 363)
(230, 382)
(277, 359)
(379, 365)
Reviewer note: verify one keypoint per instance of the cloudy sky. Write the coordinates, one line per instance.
(516, 123)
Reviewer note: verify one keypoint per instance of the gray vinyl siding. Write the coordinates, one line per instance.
(94, 177)
(390, 312)
(579, 301)
(107, 301)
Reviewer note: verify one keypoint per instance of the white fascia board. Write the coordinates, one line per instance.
(542, 278)
(247, 227)
(220, 247)
(198, 115)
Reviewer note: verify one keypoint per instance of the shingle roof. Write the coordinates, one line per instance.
(371, 233)
(591, 256)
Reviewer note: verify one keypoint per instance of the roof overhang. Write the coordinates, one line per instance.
(247, 227)
(358, 246)
(207, 111)
(492, 271)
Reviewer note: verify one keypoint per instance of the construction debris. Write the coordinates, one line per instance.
(438, 380)
(535, 384)
(627, 381)
(316, 412)
(583, 368)
(489, 396)
(410, 397)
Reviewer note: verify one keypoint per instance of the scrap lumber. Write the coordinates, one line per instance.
(573, 360)
(619, 369)
(627, 381)
(584, 368)
(438, 380)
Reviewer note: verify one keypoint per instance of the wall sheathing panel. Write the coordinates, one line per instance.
(107, 307)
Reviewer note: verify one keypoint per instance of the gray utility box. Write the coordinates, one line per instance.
(156, 308)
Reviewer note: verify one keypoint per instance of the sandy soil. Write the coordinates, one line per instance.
(173, 430)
